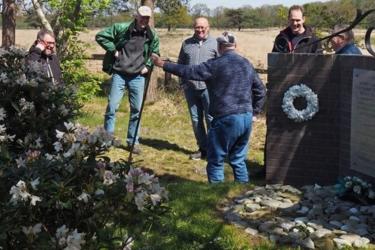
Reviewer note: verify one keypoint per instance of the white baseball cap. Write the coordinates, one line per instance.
(144, 11)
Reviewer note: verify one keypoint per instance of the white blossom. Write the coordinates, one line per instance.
(155, 199)
(61, 232)
(84, 197)
(59, 134)
(75, 240)
(21, 162)
(2, 114)
(38, 143)
(34, 230)
(19, 192)
(58, 146)
(34, 199)
(72, 150)
(35, 183)
(68, 125)
(140, 200)
(109, 178)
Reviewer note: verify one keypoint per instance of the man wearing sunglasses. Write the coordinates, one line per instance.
(43, 51)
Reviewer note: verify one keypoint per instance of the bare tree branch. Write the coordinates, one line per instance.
(42, 17)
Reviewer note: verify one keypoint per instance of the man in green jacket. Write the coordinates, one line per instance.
(128, 48)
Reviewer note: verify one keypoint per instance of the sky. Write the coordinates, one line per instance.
(254, 3)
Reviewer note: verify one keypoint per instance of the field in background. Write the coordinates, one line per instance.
(254, 44)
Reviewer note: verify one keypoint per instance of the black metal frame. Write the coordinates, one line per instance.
(359, 17)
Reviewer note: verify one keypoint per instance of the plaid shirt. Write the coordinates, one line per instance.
(194, 51)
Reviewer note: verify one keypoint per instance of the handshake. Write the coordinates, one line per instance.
(157, 60)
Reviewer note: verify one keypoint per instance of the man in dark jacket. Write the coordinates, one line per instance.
(297, 37)
(236, 93)
(128, 48)
(43, 51)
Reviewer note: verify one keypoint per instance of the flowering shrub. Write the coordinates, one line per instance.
(57, 188)
(354, 188)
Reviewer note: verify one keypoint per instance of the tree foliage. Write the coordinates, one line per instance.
(174, 13)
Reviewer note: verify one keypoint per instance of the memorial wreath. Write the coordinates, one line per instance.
(312, 106)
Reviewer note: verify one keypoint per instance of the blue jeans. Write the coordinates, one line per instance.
(135, 86)
(198, 103)
(228, 137)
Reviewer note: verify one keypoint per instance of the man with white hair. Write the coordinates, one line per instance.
(128, 48)
(195, 50)
(236, 93)
(343, 44)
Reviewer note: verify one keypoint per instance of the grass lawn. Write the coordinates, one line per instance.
(194, 220)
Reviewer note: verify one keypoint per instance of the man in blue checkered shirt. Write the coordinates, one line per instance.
(236, 94)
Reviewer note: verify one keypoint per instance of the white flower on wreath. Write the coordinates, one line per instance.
(312, 106)
(357, 189)
(371, 194)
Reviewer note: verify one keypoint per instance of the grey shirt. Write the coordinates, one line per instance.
(194, 51)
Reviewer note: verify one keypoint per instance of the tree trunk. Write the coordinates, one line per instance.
(9, 23)
(152, 93)
(41, 16)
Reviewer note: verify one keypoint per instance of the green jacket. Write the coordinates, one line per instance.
(114, 38)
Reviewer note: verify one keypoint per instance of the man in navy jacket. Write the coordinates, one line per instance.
(236, 94)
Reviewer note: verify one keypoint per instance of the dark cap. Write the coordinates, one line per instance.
(226, 39)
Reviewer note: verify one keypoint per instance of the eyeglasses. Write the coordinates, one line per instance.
(200, 28)
(50, 43)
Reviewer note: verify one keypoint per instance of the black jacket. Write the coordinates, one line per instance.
(51, 63)
(287, 42)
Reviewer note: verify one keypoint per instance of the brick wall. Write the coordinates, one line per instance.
(315, 151)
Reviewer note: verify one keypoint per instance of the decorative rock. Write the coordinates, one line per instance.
(336, 223)
(320, 233)
(303, 210)
(274, 238)
(266, 226)
(251, 207)
(307, 243)
(251, 231)
(361, 242)
(302, 220)
(355, 218)
(341, 243)
(287, 225)
(281, 214)
(354, 210)
(361, 231)
(350, 238)
(270, 203)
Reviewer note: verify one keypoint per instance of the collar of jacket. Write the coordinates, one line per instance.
(288, 32)
(196, 39)
(149, 33)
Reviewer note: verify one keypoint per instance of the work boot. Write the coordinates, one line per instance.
(198, 155)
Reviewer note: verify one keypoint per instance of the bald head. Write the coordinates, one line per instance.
(201, 28)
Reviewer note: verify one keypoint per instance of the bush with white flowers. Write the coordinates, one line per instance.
(57, 188)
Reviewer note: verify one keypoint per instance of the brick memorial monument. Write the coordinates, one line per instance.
(337, 140)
